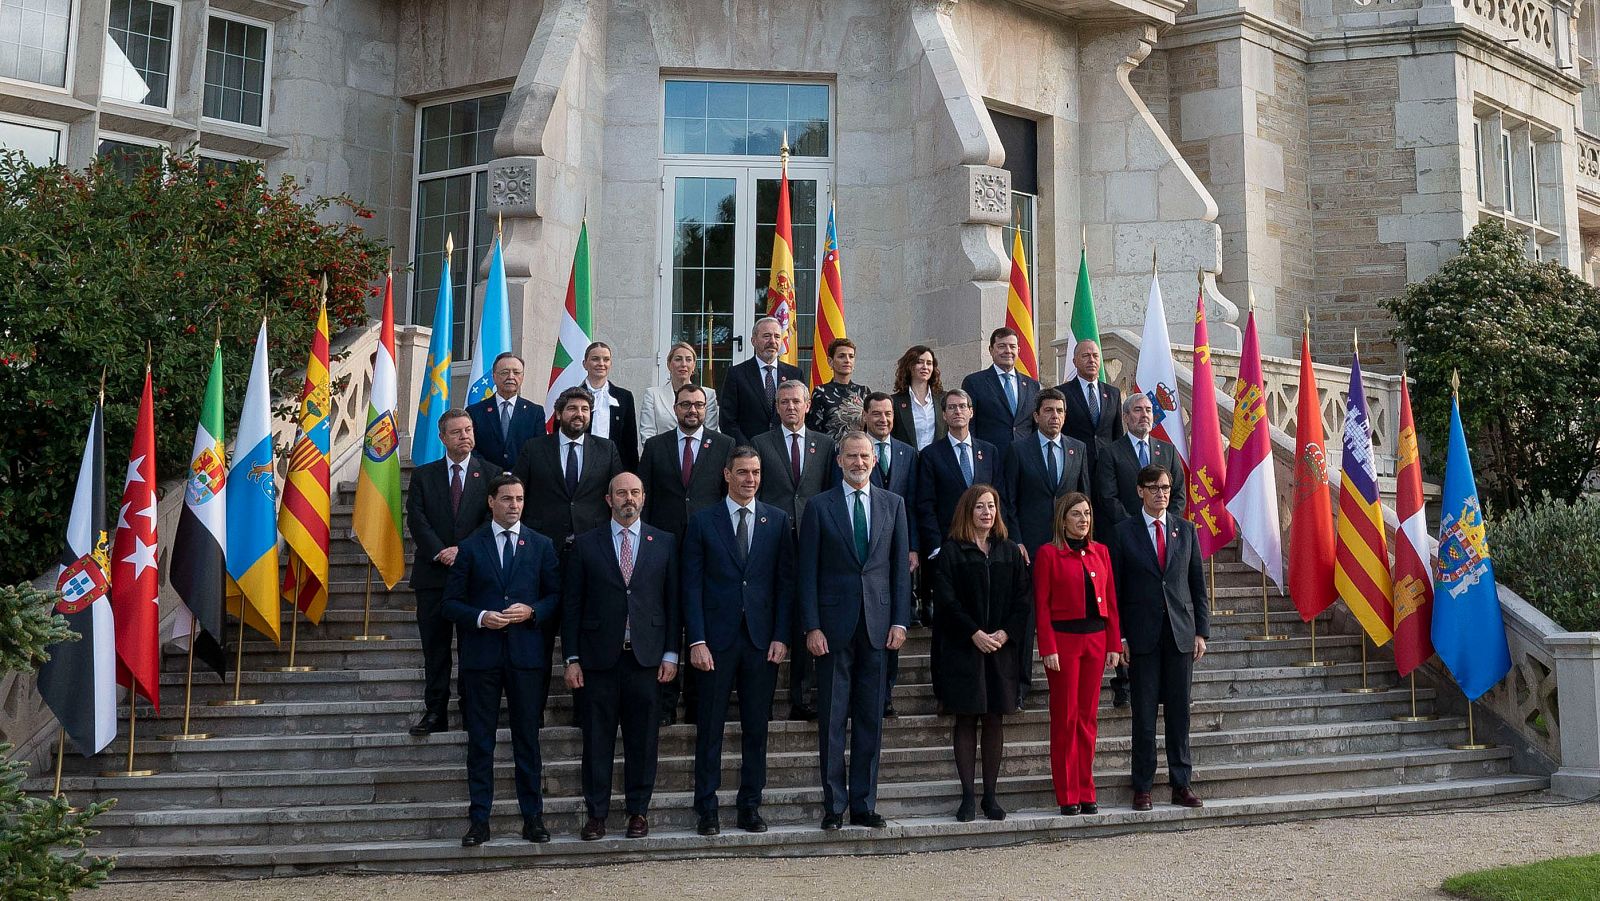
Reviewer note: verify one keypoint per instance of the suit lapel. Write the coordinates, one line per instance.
(724, 528)
(839, 506)
(877, 523)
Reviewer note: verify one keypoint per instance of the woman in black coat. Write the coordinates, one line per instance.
(982, 600)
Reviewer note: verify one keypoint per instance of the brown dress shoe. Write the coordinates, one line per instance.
(1141, 801)
(638, 826)
(592, 830)
(1183, 797)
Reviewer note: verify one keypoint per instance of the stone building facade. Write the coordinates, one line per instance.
(1314, 154)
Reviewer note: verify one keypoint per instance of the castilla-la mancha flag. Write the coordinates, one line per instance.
(781, 303)
(1208, 471)
(1311, 525)
(1413, 578)
(135, 579)
(1252, 484)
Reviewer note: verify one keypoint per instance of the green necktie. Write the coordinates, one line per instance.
(883, 459)
(860, 521)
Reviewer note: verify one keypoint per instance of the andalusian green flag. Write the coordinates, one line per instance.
(1082, 325)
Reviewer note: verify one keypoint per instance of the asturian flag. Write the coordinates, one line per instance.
(494, 329)
(426, 446)
(79, 681)
(135, 580)
(1252, 483)
(199, 574)
(253, 505)
(577, 325)
(1156, 375)
(305, 518)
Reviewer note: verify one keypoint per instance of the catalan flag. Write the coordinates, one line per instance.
(1019, 310)
(780, 284)
(1361, 553)
(830, 308)
(426, 446)
(1311, 541)
(252, 505)
(1413, 580)
(1208, 470)
(377, 513)
(304, 519)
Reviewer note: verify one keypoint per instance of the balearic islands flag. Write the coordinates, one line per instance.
(252, 505)
(494, 328)
(780, 284)
(135, 580)
(199, 574)
(830, 308)
(434, 398)
(1252, 484)
(1019, 309)
(377, 510)
(1156, 375)
(1361, 555)
(1311, 525)
(577, 325)
(1208, 471)
(305, 518)
(1413, 582)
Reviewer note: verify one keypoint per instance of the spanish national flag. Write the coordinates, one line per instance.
(304, 519)
(780, 284)
(1019, 310)
(830, 308)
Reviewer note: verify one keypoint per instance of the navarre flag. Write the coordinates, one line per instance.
(1361, 553)
(1469, 630)
(377, 509)
(434, 399)
(199, 573)
(1019, 309)
(577, 325)
(1311, 523)
(305, 520)
(252, 505)
(830, 308)
(780, 284)
(1156, 375)
(79, 681)
(1252, 484)
(1413, 579)
(494, 328)
(1208, 471)
(1082, 324)
(135, 579)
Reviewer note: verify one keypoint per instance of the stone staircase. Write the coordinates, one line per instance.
(321, 775)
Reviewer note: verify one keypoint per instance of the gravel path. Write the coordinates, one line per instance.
(1388, 858)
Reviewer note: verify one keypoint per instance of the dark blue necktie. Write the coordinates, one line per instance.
(1050, 470)
(572, 469)
(509, 552)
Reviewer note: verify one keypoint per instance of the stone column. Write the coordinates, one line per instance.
(1577, 656)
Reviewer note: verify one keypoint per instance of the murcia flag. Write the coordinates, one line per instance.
(135, 580)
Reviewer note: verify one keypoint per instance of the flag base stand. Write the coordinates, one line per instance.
(366, 615)
(1472, 743)
(1313, 661)
(133, 718)
(1266, 624)
(238, 671)
(1414, 717)
(1211, 566)
(188, 698)
(1363, 688)
(294, 639)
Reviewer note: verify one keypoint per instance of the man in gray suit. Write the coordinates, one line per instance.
(1116, 471)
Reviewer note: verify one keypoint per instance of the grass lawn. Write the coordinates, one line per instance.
(1549, 880)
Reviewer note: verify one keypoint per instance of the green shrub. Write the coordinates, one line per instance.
(1549, 552)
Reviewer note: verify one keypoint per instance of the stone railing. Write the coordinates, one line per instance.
(25, 721)
(1526, 698)
(1532, 21)
(1588, 179)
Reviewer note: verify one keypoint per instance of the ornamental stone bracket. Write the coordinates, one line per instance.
(514, 186)
(988, 195)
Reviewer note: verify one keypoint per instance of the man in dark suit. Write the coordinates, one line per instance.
(738, 600)
(855, 602)
(503, 586)
(786, 450)
(896, 471)
(947, 468)
(613, 415)
(749, 391)
(1091, 404)
(1161, 595)
(1001, 397)
(621, 633)
(1039, 469)
(447, 501)
(1116, 472)
(502, 423)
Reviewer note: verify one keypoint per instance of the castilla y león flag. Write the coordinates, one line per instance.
(135, 580)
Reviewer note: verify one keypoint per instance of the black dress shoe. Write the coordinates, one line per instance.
(533, 830)
(1071, 810)
(802, 712)
(871, 819)
(751, 821)
(1119, 698)
(708, 825)
(967, 811)
(668, 717)
(1089, 807)
(832, 822)
(889, 712)
(594, 829)
(477, 834)
(638, 826)
(992, 808)
(431, 722)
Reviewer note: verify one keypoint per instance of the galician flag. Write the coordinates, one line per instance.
(377, 512)
(199, 574)
(1252, 484)
(253, 505)
(830, 307)
(1082, 324)
(1019, 309)
(780, 284)
(426, 446)
(1311, 520)
(1413, 580)
(305, 519)
(135, 579)
(577, 325)
(1156, 375)
(1208, 471)
(494, 329)
(1361, 555)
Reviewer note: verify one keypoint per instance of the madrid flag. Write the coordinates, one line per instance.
(135, 580)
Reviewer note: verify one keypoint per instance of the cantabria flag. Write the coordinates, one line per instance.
(377, 513)
(577, 324)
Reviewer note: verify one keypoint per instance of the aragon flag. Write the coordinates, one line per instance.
(1019, 307)
(199, 573)
(79, 681)
(135, 579)
(1311, 522)
(830, 308)
(377, 509)
(304, 520)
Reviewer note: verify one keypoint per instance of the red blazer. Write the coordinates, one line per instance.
(1058, 591)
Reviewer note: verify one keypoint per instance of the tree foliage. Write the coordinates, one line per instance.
(1523, 543)
(96, 263)
(1525, 337)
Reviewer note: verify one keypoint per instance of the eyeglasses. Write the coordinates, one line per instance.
(692, 405)
(1158, 489)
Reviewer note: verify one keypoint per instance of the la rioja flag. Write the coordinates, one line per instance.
(135, 580)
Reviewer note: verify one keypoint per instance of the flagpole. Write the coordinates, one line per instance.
(1472, 743)
(1364, 688)
(1414, 717)
(1313, 661)
(133, 719)
(61, 753)
(188, 698)
(294, 623)
(238, 668)
(1266, 623)
(366, 614)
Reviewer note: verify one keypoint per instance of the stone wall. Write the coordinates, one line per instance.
(1282, 119)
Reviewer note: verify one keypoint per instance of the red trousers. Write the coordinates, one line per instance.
(1074, 714)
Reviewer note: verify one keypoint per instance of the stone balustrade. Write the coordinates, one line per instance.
(1588, 176)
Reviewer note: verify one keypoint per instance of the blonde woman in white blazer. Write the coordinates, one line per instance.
(655, 413)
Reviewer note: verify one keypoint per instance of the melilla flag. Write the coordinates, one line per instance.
(830, 308)
(1252, 483)
(252, 505)
(79, 681)
(1019, 309)
(1413, 582)
(1468, 627)
(434, 399)
(1082, 324)
(135, 579)
(1208, 471)
(305, 519)
(577, 325)
(494, 328)
(1156, 375)
(199, 574)
(1311, 522)
(1361, 553)
(780, 284)
(377, 512)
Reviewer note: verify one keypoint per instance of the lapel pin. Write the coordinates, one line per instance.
(980, 455)
(649, 538)
(763, 519)
(521, 542)
(1072, 451)
(476, 474)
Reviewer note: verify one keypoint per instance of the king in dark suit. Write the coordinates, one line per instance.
(855, 602)
(749, 390)
(1161, 596)
(1001, 396)
(1039, 469)
(613, 416)
(1092, 405)
(503, 586)
(738, 599)
(503, 422)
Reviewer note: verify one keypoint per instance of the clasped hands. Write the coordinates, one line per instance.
(817, 643)
(499, 619)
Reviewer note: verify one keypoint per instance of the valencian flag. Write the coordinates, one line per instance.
(426, 445)
(79, 681)
(577, 325)
(1252, 483)
(494, 328)
(830, 307)
(198, 571)
(1156, 375)
(135, 580)
(305, 520)
(1208, 471)
(1082, 325)
(252, 505)
(780, 284)
(377, 513)
(1361, 554)
(1019, 308)
(1468, 628)
(1413, 582)
(1311, 526)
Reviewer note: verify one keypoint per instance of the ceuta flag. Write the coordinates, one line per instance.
(780, 285)
(1361, 554)
(135, 579)
(1157, 377)
(1311, 525)
(1413, 580)
(1208, 471)
(1019, 309)
(830, 308)
(1252, 483)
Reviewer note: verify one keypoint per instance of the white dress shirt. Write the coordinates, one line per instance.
(499, 549)
(570, 442)
(699, 437)
(1149, 530)
(600, 418)
(922, 418)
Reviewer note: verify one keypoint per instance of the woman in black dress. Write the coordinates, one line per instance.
(837, 404)
(982, 601)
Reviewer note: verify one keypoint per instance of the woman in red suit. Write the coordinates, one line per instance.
(1079, 636)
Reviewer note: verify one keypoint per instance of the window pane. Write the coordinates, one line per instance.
(126, 159)
(745, 118)
(702, 269)
(40, 146)
(236, 59)
(460, 134)
(686, 99)
(33, 40)
(138, 51)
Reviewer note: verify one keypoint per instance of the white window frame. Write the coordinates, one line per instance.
(172, 66)
(266, 70)
(60, 128)
(743, 159)
(72, 56)
(1477, 153)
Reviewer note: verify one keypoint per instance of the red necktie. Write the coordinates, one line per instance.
(1161, 543)
(688, 460)
(794, 456)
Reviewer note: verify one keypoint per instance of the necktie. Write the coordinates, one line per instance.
(572, 468)
(1161, 543)
(859, 520)
(741, 536)
(626, 563)
(1144, 454)
(1091, 394)
(883, 460)
(505, 420)
(508, 552)
(1010, 380)
(794, 457)
(1050, 470)
(688, 460)
(456, 487)
(966, 462)
(771, 384)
